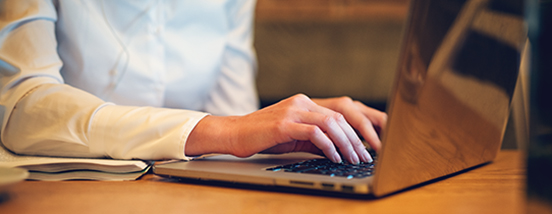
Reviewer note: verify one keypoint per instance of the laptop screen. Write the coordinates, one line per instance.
(455, 80)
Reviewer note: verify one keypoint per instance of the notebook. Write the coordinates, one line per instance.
(447, 111)
(62, 168)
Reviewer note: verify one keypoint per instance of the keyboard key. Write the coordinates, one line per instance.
(326, 167)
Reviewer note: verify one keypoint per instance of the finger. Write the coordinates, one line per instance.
(367, 130)
(378, 118)
(339, 131)
(312, 133)
(365, 126)
(372, 118)
(359, 116)
(337, 128)
(357, 119)
(356, 143)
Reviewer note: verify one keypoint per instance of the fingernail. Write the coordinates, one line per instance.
(336, 158)
(355, 159)
(368, 158)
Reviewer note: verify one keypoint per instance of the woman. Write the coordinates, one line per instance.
(155, 80)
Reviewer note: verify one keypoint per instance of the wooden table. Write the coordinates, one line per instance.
(497, 187)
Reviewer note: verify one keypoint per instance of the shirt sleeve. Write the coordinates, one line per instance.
(235, 92)
(43, 116)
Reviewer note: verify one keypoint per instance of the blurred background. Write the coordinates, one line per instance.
(328, 48)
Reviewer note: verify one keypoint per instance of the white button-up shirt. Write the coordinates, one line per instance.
(123, 79)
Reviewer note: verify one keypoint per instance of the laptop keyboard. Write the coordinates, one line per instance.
(324, 166)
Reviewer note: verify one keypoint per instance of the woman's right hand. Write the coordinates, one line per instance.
(296, 124)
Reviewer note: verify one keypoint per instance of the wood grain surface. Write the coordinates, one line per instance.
(497, 187)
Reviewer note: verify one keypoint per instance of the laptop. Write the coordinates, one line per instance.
(448, 108)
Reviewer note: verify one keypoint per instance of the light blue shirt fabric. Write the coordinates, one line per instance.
(128, 66)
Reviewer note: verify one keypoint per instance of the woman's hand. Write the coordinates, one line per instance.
(368, 121)
(295, 124)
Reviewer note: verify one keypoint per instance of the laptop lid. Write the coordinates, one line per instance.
(451, 99)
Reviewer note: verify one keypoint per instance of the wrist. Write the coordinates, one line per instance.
(212, 134)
